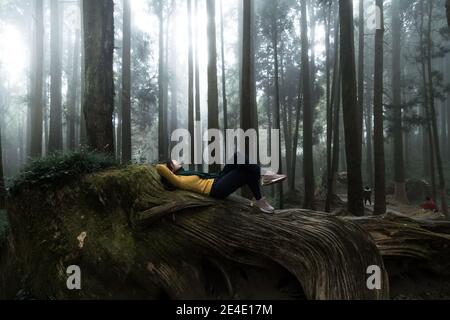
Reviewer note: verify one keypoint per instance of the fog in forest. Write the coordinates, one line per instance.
(296, 75)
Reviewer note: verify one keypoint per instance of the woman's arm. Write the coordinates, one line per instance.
(169, 175)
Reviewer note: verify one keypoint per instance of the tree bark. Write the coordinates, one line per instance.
(224, 83)
(352, 123)
(99, 86)
(56, 136)
(308, 160)
(447, 5)
(126, 84)
(248, 109)
(231, 243)
(174, 76)
(213, 94)
(327, 19)
(191, 111)
(276, 113)
(3, 192)
(380, 184)
(399, 163)
(38, 101)
(335, 108)
(162, 103)
(442, 188)
(82, 128)
(73, 94)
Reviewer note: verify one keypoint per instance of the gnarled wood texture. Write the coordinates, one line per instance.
(145, 242)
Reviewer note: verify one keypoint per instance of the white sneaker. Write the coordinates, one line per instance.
(263, 206)
(270, 178)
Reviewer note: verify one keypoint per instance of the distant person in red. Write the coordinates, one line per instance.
(429, 205)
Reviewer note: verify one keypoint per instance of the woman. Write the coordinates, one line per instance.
(221, 185)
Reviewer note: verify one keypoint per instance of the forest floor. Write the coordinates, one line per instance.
(409, 210)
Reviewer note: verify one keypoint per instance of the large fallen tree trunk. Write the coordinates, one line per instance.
(133, 239)
(407, 243)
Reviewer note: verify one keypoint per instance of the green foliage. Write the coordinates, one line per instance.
(61, 168)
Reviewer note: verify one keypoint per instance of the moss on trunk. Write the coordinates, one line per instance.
(145, 242)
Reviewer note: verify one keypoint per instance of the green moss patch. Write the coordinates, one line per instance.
(60, 168)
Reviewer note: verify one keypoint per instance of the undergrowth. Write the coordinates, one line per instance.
(59, 168)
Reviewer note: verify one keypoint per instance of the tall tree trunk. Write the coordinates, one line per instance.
(369, 134)
(248, 90)
(213, 94)
(224, 82)
(197, 68)
(277, 118)
(380, 184)
(284, 107)
(427, 135)
(99, 90)
(2, 177)
(447, 5)
(191, 111)
(162, 121)
(37, 101)
(399, 164)
(73, 94)
(308, 159)
(442, 188)
(447, 103)
(56, 135)
(361, 61)
(83, 137)
(334, 120)
(126, 83)
(327, 19)
(174, 76)
(352, 123)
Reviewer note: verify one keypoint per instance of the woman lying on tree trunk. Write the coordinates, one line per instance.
(223, 184)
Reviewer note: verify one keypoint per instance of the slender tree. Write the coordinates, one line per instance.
(334, 122)
(126, 83)
(174, 74)
(277, 104)
(447, 5)
(2, 177)
(162, 120)
(191, 111)
(73, 94)
(213, 96)
(99, 89)
(55, 136)
(248, 109)
(82, 129)
(435, 135)
(380, 184)
(427, 132)
(308, 160)
(327, 18)
(224, 83)
(352, 123)
(197, 68)
(37, 107)
(399, 163)
(361, 60)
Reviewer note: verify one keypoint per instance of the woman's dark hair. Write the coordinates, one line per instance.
(166, 184)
